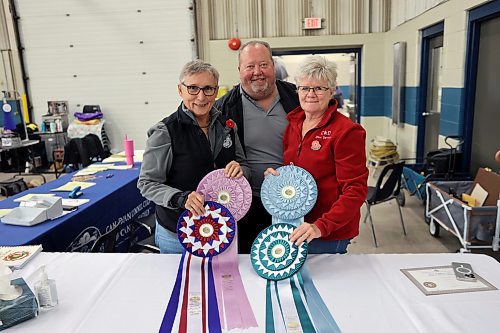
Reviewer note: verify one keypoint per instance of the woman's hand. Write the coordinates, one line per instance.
(195, 203)
(305, 232)
(233, 170)
(271, 171)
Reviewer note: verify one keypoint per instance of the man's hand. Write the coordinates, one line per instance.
(271, 171)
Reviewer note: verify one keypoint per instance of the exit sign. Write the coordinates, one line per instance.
(312, 23)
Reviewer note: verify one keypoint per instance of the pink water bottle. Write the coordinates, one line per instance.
(128, 146)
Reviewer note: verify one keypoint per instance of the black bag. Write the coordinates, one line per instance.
(83, 151)
(12, 186)
(91, 108)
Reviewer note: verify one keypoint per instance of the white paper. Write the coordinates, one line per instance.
(74, 202)
(441, 280)
(480, 194)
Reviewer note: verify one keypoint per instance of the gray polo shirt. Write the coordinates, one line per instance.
(263, 137)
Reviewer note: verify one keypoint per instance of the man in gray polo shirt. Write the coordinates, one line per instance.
(259, 106)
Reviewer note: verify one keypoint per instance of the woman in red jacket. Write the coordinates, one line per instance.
(332, 148)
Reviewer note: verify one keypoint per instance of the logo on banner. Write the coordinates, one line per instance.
(85, 240)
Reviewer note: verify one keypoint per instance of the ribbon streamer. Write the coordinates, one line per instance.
(293, 304)
(208, 294)
(193, 303)
(234, 307)
(235, 195)
(286, 307)
(322, 317)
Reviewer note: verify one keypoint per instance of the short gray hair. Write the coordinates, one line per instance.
(256, 42)
(317, 67)
(198, 66)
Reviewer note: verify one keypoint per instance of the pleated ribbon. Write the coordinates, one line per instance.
(295, 305)
(208, 295)
(234, 308)
(193, 303)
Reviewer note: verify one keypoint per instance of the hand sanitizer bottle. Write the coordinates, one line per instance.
(46, 291)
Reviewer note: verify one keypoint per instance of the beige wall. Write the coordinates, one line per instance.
(376, 47)
(226, 60)
(377, 59)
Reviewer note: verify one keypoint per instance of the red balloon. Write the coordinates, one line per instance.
(234, 43)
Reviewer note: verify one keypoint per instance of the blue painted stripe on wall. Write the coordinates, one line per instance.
(411, 116)
(374, 100)
(377, 102)
(452, 115)
(346, 90)
(388, 102)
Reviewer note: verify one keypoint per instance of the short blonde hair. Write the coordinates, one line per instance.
(317, 67)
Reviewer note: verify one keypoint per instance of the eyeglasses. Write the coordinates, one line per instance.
(195, 90)
(317, 90)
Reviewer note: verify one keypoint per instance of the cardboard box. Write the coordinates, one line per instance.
(489, 181)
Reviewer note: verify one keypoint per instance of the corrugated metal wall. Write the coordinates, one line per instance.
(405, 10)
(283, 18)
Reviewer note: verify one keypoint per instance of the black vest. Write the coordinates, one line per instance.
(192, 159)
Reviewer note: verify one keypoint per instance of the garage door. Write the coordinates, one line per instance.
(124, 55)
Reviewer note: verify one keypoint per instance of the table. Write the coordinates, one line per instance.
(365, 293)
(114, 202)
(24, 144)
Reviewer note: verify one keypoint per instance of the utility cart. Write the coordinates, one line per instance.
(442, 164)
(475, 227)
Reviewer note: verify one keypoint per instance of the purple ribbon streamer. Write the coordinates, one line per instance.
(213, 309)
(169, 316)
(238, 311)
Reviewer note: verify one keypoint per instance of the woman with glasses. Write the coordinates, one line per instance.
(184, 147)
(332, 148)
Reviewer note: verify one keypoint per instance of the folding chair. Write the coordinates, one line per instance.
(387, 188)
(105, 243)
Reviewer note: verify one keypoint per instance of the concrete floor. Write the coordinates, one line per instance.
(387, 227)
(390, 235)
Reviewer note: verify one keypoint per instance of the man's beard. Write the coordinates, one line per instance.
(260, 91)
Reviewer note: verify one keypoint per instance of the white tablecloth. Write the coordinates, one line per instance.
(365, 293)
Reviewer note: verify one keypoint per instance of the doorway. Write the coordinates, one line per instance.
(431, 73)
(349, 74)
(482, 101)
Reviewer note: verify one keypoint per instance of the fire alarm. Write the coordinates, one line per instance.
(234, 43)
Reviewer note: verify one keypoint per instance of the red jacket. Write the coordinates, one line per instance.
(334, 153)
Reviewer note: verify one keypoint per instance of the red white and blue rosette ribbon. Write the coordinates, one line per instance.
(209, 295)
(207, 235)
(234, 193)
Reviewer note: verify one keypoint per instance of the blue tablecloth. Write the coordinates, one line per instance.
(114, 202)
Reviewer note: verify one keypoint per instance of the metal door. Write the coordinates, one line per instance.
(486, 134)
(432, 112)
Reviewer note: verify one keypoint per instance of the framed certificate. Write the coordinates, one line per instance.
(441, 280)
